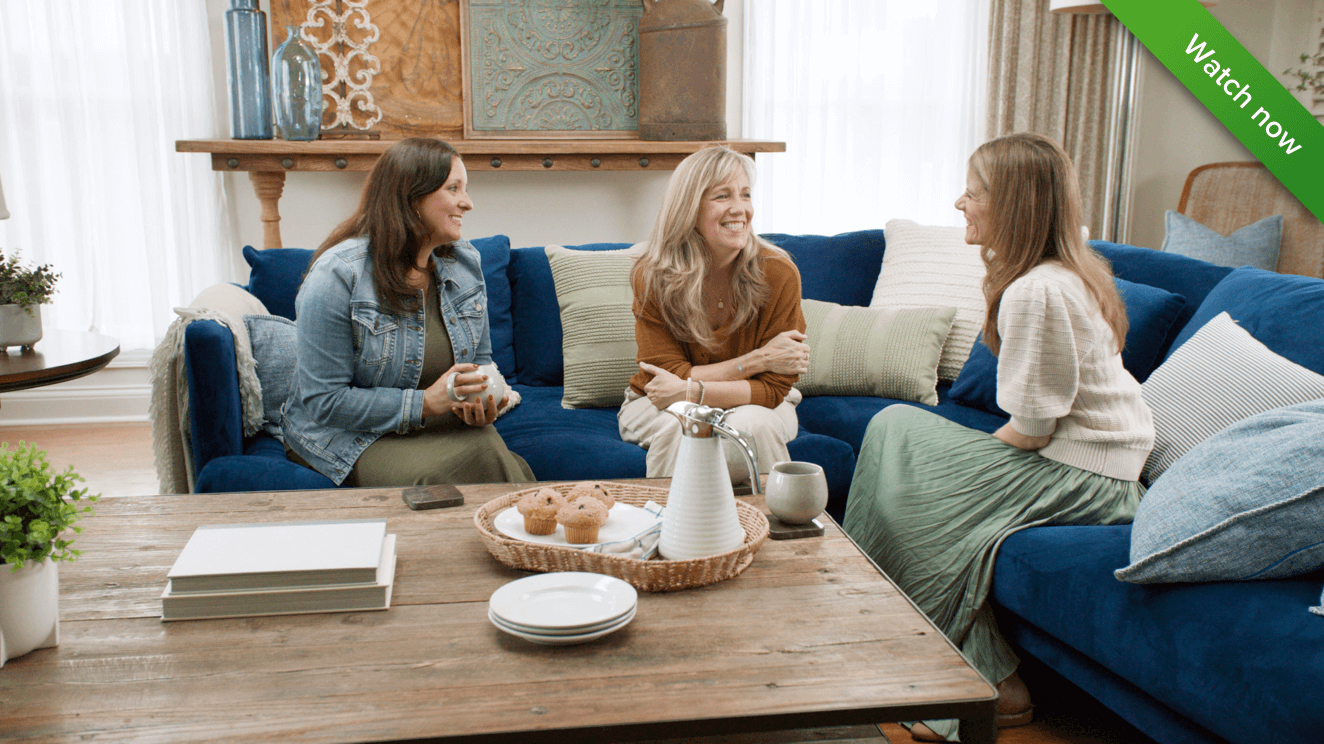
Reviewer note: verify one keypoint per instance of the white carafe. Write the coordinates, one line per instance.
(700, 519)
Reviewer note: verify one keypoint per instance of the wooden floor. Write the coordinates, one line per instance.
(116, 460)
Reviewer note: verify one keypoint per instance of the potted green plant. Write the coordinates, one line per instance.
(36, 506)
(22, 293)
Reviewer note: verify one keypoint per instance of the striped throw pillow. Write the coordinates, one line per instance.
(1219, 377)
(888, 353)
(597, 324)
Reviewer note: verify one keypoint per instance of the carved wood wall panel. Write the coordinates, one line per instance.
(407, 63)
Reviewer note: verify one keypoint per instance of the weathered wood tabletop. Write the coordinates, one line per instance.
(811, 634)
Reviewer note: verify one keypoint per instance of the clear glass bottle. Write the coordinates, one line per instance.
(246, 68)
(296, 88)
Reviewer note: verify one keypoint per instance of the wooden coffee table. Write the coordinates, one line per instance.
(811, 634)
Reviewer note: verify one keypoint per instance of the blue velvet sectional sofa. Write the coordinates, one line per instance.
(1184, 663)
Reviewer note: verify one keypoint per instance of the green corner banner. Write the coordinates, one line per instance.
(1250, 101)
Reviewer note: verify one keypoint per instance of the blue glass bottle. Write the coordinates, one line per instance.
(296, 88)
(246, 68)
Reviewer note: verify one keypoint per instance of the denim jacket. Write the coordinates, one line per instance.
(359, 365)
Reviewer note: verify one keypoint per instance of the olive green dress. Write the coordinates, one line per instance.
(931, 502)
(445, 450)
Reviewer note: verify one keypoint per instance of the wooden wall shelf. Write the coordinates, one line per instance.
(267, 161)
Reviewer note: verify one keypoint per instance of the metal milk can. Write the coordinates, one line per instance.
(682, 70)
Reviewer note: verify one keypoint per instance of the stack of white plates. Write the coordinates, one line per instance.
(560, 609)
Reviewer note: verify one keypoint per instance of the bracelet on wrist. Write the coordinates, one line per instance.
(703, 390)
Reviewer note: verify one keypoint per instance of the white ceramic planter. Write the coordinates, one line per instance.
(29, 608)
(17, 328)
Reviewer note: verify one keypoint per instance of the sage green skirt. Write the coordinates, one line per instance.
(932, 501)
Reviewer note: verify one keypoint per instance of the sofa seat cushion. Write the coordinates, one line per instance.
(845, 417)
(262, 467)
(568, 444)
(1221, 654)
(585, 444)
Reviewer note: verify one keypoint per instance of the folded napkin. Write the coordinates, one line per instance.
(642, 545)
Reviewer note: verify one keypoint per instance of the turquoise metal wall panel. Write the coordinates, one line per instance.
(554, 66)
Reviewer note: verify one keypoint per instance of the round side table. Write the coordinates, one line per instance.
(58, 357)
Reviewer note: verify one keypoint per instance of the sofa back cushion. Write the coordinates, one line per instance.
(1282, 311)
(839, 268)
(1189, 277)
(536, 315)
(275, 275)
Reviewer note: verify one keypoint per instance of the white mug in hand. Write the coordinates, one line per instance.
(496, 385)
(796, 492)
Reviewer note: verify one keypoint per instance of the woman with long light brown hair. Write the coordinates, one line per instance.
(932, 500)
(717, 318)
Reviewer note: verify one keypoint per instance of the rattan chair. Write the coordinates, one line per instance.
(1228, 196)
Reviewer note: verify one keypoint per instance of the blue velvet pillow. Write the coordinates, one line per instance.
(1246, 503)
(275, 342)
(274, 276)
(841, 268)
(537, 315)
(1285, 312)
(1253, 245)
(1151, 312)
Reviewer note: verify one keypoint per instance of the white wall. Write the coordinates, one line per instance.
(1177, 133)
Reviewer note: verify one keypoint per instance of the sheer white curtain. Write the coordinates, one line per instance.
(93, 95)
(880, 103)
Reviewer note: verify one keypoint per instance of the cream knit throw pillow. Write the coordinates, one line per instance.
(933, 267)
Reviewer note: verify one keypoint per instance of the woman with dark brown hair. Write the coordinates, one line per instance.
(931, 500)
(392, 329)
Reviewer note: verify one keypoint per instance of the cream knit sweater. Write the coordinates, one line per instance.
(1060, 372)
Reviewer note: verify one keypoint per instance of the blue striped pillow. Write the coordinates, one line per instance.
(1217, 378)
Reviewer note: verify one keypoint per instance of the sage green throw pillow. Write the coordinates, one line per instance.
(597, 324)
(883, 352)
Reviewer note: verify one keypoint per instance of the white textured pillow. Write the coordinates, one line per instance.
(933, 267)
(1220, 376)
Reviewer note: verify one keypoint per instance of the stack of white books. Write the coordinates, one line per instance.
(281, 568)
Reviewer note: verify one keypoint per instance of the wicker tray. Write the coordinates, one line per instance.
(649, 576)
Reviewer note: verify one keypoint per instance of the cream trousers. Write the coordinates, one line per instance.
(659, 432)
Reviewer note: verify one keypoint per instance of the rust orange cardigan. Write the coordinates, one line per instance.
(780, 313)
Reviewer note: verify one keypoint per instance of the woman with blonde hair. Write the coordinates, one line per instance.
(392, 328)
(931, 500)
(717, 318)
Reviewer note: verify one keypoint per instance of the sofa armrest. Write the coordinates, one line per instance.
(216, 423)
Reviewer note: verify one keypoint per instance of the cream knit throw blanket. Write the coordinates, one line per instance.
(169, 409)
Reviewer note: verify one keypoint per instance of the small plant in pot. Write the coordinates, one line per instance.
(22, 293)
(37, 505)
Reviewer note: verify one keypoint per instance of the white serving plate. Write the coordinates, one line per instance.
(562, 640)
(530, 630)
(624, 521)
(564, 600)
